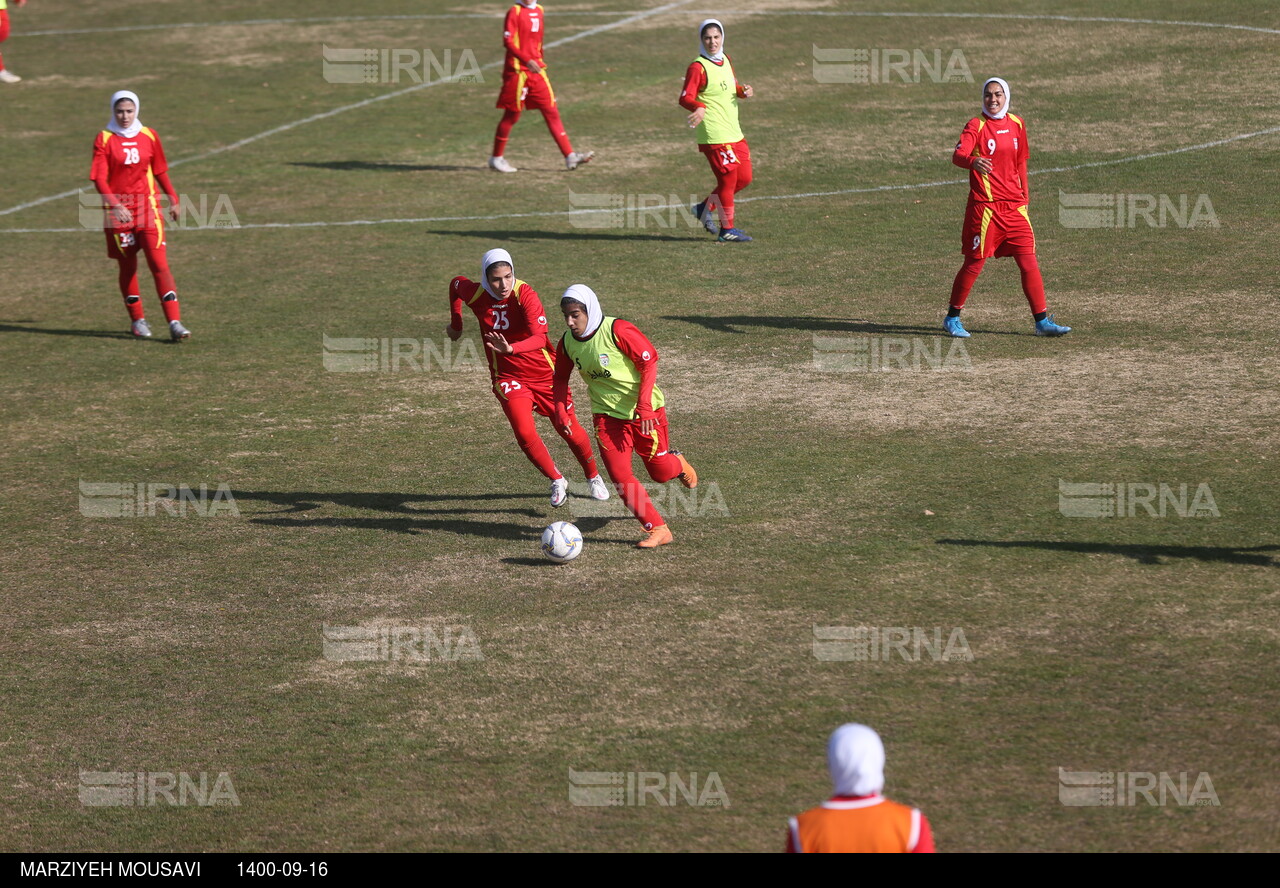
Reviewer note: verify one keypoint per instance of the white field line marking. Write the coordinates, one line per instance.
(289, 21)
(985, 15)
(562, 213)
(590, 32)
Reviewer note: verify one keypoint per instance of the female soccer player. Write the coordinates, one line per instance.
(993, 147)
(7, 76)
(621, 369)
(521, 365)
(525, 84)
(710, 94)
(128, 163)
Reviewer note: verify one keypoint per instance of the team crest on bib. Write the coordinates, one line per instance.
(604, 360)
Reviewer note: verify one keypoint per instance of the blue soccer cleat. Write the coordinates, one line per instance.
(955, 328)
(1048, 328)
(733, 235)
(708, 220)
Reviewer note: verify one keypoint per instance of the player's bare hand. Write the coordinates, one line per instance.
(122, 214)
(498, 343)
(536, 68)
(982, 165)
(20, 2)
(696, 117)
(453, 334)
(648, 425)
(747, 90)
(174, 212)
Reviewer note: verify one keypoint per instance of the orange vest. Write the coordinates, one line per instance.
(857, 826)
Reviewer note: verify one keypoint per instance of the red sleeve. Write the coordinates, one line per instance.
(1024, 154)
(791, 843)
(924, 845)
(537, 320)
(455, 301)
(639, 351)
(99, 170)
(159, 165)
(162, 179)
(963, 156)
(511, 30)
(695, 81)
(560, 384)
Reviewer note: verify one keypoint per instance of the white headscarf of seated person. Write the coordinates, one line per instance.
(490, 258)
(702, 50)
(137, 120)
(855, 756)
(1007, 98)
(595, 315)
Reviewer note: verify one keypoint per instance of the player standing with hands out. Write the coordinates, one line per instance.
(993, 147)
(525, 84)
(710, 95)
(620, 366)
(128, 164)
(521, 365)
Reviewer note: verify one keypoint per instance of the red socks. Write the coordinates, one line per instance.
(1032, 281)
(504, 132)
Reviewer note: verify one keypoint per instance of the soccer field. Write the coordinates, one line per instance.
(322, 591)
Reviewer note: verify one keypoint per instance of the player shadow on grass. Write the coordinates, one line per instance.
(103, 334)
(613, 234)
(374, 166)
(413, 518)
(1142, 553)
(730, 323)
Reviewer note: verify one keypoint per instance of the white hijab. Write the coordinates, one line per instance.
(137, 119)
(490, 258)
(855, 756)
(702, 51)
(1007, 99)
(584, 294)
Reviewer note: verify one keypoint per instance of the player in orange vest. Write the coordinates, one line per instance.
(857, 818)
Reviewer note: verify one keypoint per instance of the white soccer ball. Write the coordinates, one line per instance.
(561, 542)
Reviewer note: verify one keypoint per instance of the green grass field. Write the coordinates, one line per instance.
(901, 497)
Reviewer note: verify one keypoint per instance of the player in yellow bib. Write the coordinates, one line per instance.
(710, 95)
(620, 367)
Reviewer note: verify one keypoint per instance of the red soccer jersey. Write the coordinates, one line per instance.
(521, 321)
(130, 168)
(522, 36)
(1004, 143)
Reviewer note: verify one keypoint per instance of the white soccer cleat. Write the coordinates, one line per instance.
(597, 488)
(559, 492)
(141, 329)
(500, 164)
(7, 76)
(573, 159)
(178, 332)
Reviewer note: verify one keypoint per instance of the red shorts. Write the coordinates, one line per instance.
(510, 388)
(122, 240)
(624, 436)
(727, 157)
(522, 89)
(1001, 228)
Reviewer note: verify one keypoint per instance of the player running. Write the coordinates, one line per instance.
(7, 76)
(620, 366)
(521, 365)
(993, 147)
(711, 92)
(525, 84)
(128, 164)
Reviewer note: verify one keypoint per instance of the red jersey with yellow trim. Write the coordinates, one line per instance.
(130, 167)
(866, 824)
(521, 321)
(522, 36)
(1004, 143)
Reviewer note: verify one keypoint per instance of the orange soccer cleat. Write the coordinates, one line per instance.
(659, 536)
(688, 477)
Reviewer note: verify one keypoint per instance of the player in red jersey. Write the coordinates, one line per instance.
(525, 84)
(857, 818)
(7, 76)
(710, 95)
(993, 147)
(620, 367)
(128, 164)
(521, 365)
